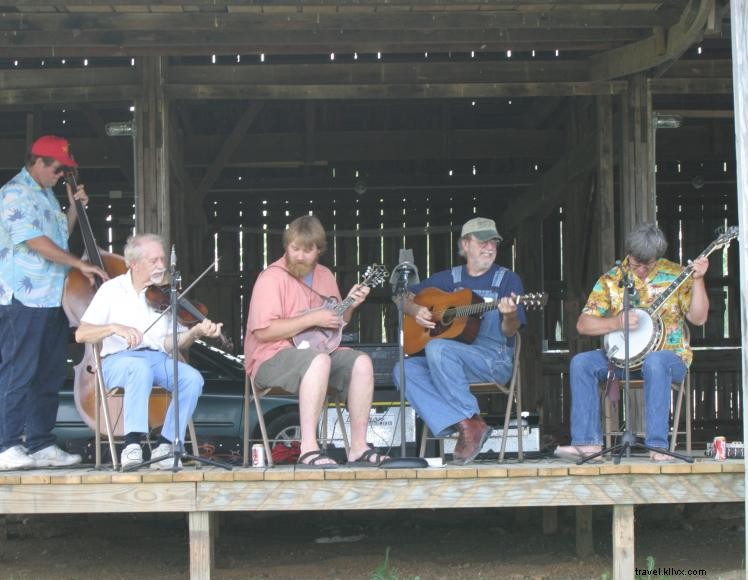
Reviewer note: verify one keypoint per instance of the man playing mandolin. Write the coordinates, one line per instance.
(136, 348)
(288, 299)
(651, 275)
(438, 384)
(34, 261)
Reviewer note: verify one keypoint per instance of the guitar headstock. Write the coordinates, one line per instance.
(533, 300)
(375, 275)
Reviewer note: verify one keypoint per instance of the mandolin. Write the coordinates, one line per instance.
(457, 315)
(328, 339)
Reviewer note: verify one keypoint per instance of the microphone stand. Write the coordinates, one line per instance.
(400, 291)
(628, 439)
(177, 445)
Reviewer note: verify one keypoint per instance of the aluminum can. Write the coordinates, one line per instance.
(719, 448)
(258, 455)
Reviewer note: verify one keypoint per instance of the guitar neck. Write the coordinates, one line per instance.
(481, 307)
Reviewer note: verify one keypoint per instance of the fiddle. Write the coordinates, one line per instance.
(158, 297)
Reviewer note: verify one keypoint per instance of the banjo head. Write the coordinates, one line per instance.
(641, 340)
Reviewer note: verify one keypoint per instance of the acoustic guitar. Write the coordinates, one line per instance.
(328, 339)
(457, 315)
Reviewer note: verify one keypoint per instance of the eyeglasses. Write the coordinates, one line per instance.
(61, 169)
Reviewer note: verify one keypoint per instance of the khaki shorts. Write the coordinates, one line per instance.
(288, 367)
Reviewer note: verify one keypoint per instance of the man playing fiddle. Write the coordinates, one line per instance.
(135, 355)
(34, 261)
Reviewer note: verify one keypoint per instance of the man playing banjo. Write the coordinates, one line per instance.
(651, 275)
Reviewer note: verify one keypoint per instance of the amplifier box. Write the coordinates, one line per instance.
(384, 426)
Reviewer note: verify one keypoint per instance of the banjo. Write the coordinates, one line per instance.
(649, 335)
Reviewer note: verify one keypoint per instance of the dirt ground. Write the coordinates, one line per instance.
(438, 544)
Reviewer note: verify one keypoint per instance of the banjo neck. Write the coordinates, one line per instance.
(682, 277)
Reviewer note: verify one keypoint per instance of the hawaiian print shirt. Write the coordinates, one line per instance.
(606, 299)
(27, 211)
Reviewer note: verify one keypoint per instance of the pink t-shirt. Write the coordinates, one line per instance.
(277, 295)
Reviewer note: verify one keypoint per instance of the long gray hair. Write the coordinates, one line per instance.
(646, 242)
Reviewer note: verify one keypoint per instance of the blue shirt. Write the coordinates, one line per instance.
(29, 211)
(490, 329)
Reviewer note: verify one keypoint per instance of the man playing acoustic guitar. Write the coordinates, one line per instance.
(286, 300)
(438, 384)
(652, 276)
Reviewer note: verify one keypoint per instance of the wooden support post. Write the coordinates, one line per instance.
(201, 545)
(584, 536)
(550, 520)
(152, 199)
(605, 187)
(623, 542)
(637, 155)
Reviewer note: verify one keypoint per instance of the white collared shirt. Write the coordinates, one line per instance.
(117, 302)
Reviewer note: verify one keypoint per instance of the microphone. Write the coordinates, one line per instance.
(405, 273)
(173, 261)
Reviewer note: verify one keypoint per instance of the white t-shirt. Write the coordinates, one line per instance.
(118, 302)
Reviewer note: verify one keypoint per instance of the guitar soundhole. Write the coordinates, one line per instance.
(448, 317)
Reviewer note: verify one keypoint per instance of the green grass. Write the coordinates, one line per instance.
(385, 570)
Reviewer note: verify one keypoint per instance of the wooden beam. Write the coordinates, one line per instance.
(548, 191)
(665, 44)
(179, 42)
(229, 147)
(458, 72)
(388, 91)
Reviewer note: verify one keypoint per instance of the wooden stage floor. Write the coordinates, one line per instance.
(201, 493)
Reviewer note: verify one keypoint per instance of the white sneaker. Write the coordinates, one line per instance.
(16, 458)
(53, 456)
(162, 451)
(132, 454)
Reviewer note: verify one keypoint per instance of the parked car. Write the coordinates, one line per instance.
(218, 417)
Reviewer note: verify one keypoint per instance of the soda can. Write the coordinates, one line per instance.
(719, 448)
(258, 455)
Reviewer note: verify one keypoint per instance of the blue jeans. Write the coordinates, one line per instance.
(33, 349)
(660, 370)
(136, 371)
(438, 384)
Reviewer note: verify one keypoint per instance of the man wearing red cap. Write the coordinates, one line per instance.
(34, 261)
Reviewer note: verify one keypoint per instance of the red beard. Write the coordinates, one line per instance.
(298, 269)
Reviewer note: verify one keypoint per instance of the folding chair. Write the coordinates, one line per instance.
(682, 390)
(114, 398)
(513, 392)
(252, 393)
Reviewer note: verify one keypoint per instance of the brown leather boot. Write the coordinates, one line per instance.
(473, 434)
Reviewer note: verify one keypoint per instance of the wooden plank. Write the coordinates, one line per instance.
(201, 545)
(662, 46)
(585, 545)
(623, 542)
(450, 492)
(386, 73)
(390, 91)
(96, 498)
